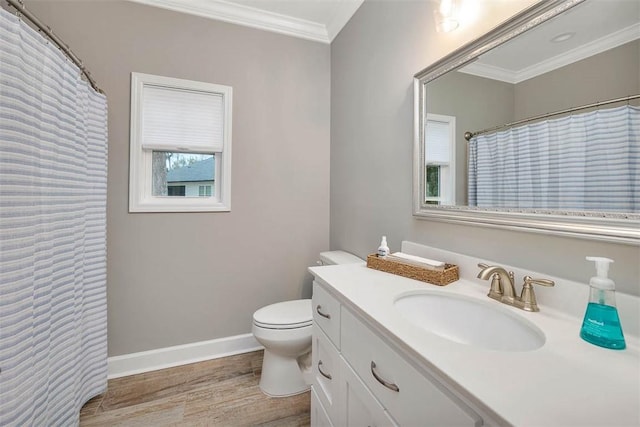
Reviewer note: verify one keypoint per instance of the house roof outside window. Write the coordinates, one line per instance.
(204, 170)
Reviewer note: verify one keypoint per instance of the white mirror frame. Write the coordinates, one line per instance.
(611, 227)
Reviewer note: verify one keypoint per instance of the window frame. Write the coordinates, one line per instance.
(141, 198)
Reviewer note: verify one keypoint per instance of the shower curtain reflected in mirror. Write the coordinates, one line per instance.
(53, 180)
(582, 162)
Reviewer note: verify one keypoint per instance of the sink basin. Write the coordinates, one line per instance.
(470, 321)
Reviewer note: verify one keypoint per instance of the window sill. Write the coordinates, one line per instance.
(182, 204)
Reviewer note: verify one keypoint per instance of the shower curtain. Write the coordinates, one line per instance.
(53, 153)
(586, 161)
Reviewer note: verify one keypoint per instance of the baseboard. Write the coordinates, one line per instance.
(168, 357)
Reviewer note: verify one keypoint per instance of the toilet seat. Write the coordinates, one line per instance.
(284, 315)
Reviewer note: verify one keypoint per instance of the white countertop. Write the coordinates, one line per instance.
(566, 382)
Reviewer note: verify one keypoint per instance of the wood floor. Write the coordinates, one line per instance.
(221, 392)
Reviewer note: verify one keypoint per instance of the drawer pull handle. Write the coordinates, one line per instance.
(324, 374)
(325, 315)
(387, 384)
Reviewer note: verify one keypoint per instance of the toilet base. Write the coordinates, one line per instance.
(282, 376)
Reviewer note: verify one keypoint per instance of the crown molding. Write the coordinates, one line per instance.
(595, 47)
(264, 20)
(490, 72)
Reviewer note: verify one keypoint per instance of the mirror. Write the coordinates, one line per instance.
(547, 152)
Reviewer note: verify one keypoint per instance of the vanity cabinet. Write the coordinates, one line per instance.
(319, 416)
(325, 356)
(326, 372)
(361, 408)
(326, 313)
(360, 380)
(411, 397)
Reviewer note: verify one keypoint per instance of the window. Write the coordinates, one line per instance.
(180, 145)
(176, 190)
(204, 191)
(440, 159)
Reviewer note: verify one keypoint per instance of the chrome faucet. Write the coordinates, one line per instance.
(503, 289)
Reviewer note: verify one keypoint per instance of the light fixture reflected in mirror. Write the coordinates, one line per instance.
(446, 15)
(562, 37)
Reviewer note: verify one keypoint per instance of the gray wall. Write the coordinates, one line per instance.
(373, 61)
(608, 75)
(182, 278)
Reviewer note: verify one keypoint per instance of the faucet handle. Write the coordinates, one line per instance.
(543, 282)
(528, 297)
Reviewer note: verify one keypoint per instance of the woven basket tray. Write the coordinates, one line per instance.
(437, 277)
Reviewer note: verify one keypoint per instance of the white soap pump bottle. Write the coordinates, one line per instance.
(383, 249)
(601, 324)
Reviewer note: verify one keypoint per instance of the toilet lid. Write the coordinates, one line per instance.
(285, 315)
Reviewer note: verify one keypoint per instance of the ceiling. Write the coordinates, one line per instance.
(317, 20)
(595, 26)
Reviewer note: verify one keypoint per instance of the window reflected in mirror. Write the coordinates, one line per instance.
(440, 141)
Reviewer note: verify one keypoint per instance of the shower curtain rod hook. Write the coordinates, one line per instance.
(17, 12)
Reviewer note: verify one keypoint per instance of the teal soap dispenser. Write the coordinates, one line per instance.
(601, 324)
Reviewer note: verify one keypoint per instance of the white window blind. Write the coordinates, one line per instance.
(176, 119)
(437, 145)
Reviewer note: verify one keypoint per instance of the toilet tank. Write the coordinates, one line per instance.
(338, 257)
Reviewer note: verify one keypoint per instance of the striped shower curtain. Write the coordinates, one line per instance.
(53, 153)
(581, 162)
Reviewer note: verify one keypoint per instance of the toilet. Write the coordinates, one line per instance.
(284, 329)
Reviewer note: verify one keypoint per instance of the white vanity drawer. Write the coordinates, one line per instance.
(319, 417)
(326, 372)
(326, 313)
(361, 407)
(418, 400)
